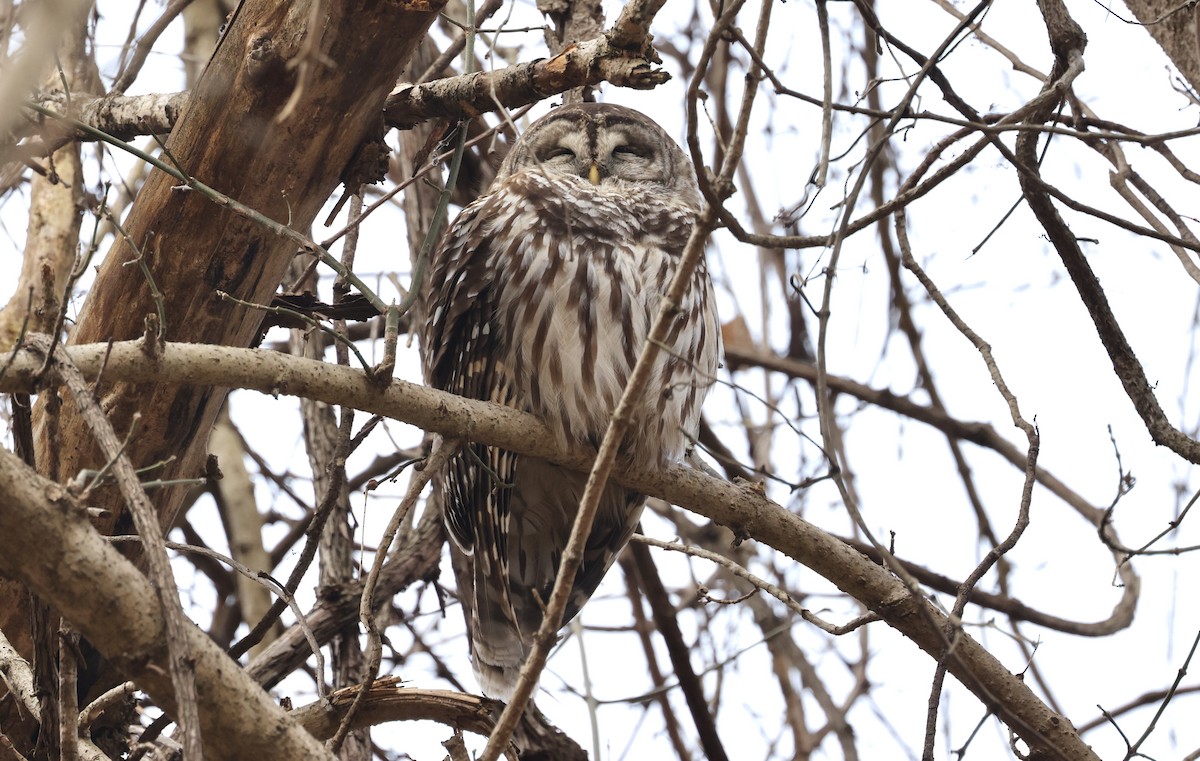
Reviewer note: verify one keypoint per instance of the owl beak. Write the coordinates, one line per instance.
(594, 173)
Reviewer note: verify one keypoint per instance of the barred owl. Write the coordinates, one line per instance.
(540, 297)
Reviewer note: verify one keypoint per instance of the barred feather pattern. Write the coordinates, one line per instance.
(541, 297)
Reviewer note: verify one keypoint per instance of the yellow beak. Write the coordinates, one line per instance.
(594, 174)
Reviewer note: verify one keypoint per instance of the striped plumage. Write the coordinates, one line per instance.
(540, 297)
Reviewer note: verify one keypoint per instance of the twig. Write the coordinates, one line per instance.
(826, 94)
(416, 559)
(1068, 47)
(434, 234)
(439, 64)
(1171, 691)
(680, 654)
(589, 697)
(93, 710)
(1119, 181)
(643, 628)
(824, 399)
(312, 322)
(759, 583)
(262, 578)
(145, 44)
(312, 533)
(1034, 446)
(443, 450)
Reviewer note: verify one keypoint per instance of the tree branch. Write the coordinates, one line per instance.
(663, 612)
(121, 116)
(138, 503)
(1068, 41)
(743, 508)
(469, 95)
(47, 542)
(588, 63)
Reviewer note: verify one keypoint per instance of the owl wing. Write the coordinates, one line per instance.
(461, 344)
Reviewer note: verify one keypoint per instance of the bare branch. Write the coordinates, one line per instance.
(1068, 40)
(469, 95)
(124, 117)
(746, 510)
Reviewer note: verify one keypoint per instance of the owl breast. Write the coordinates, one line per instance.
(586, 270)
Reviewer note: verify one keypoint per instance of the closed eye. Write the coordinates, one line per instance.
(628, 151)
(558, 152)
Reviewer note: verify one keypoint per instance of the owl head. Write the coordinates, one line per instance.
(606, 145)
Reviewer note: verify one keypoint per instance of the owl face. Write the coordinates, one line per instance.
(604, 144)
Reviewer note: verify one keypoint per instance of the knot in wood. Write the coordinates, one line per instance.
(262, 58)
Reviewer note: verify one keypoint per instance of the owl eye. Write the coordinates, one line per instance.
(628, 151)
(558, 152)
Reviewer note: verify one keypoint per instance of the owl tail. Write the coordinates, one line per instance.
(497, 648)
(504, 602)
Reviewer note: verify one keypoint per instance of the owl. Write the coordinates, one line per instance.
(540, 297)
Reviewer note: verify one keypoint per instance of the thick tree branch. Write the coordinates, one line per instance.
(17, 675)
(386, 700)
(631, 31)
(47, 543)
(1172, 24)
(744, 509)
(122, 116)
(468, 95)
